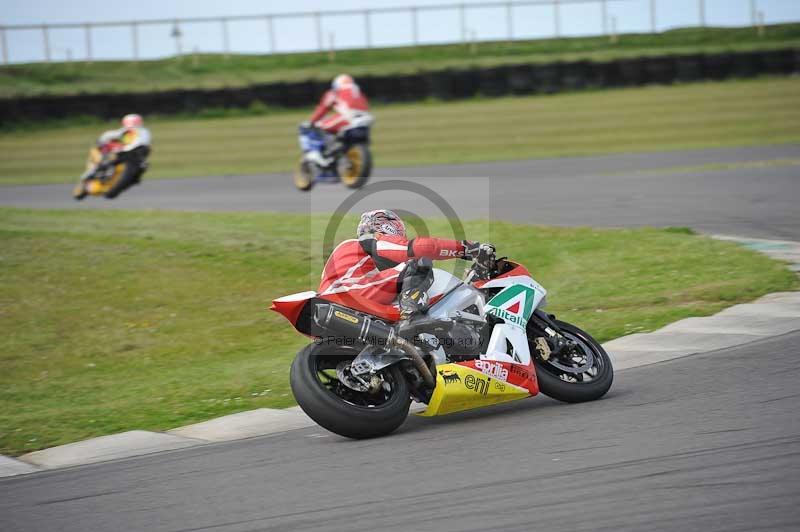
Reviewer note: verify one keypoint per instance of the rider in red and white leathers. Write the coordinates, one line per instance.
(349, 105)
(383, 262)
(350, 111)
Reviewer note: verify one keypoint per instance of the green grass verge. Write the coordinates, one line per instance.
(112, 321)
(213, 71)
(734, 113)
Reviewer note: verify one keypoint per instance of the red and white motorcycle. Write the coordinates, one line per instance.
(481, 341)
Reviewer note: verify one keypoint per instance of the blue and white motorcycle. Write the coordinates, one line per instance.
(328, 158)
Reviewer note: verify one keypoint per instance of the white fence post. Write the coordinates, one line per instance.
(271, 32)
(509, 22)
(367, 29)
(318, 26)
(557, 17)
(414, 30)
(176, 34)
(46, 42)
(462, 15)
(87, 31)
(4, 44)
(653, 20)
(604, 15)
(135, 40)
(614, 37)
(226, 45)
(701, 6)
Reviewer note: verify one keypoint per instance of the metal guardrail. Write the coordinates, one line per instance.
(608, 24)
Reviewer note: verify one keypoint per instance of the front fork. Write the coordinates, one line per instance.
(549, 340)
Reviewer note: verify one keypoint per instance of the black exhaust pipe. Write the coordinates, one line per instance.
(365, 329)
(350, 324)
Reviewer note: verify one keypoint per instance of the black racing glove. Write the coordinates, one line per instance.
(482, 254)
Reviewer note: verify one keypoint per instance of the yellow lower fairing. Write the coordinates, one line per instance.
(461, 388)
(96, 187)
(94, 158)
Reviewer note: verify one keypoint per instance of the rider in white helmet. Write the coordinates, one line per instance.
(134, 139)
(342, 107)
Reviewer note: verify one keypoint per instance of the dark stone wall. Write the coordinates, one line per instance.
(449, 84)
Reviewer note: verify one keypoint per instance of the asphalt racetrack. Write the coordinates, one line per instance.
(739, 191)
(709, 442)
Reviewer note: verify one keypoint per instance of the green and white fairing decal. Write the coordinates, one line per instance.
(515, 303)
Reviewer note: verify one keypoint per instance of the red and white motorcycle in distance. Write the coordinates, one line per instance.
(481, 341)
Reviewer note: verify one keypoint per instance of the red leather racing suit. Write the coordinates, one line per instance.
(373, 266)
(350, 107)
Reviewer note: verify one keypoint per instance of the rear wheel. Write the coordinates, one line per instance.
(316, 380)
(583, 374)
(303, 176)
(355, 166)
(123, 177)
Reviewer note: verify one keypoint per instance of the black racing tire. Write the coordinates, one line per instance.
(360, 159)
(576, 392)
(303, 176)
(79, 192)
(334, 413)
(126, 180)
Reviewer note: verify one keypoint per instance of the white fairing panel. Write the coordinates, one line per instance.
(300, 296)
(502, 335)
(524, 280)
(459, 298)
(508, 341)
(442, 282)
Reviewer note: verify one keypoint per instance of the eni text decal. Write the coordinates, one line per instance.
(476, 384)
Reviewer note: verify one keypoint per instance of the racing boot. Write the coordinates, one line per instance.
(417, 278)
(412, 301)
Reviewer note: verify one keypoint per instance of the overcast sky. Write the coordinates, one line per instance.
(297, 34)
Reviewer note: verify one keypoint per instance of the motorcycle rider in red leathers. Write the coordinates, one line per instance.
(383, 262)
(350, 110)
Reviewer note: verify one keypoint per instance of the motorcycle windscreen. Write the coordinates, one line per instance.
(459, 388)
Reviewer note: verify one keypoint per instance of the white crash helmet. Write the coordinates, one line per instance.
(382, 222)
(342, 81)
(132, 120)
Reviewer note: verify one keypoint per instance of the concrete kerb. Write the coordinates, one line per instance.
(245, 425)
(771, 315)
(10, 467)
(114, 446)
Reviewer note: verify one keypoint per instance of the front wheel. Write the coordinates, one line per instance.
(316, 385)
(355, 166)
(304, 176)
(583, 374)
(80, 192)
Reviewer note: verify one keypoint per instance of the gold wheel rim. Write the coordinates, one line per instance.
(301, 180)
(118, 171)
(352, 173)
